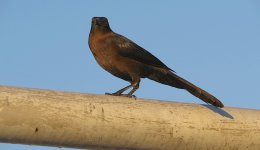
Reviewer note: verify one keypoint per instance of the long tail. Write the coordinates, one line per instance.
(171, 79)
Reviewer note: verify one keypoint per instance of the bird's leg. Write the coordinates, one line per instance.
(119, 92)
(130, 94)
(135, 85)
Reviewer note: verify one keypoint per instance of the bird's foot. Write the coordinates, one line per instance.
(124, 95)
(113, 94)
(129, 96)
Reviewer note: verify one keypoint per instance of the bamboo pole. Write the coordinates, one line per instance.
(63, 119)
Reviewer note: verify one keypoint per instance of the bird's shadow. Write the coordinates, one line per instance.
(218, 111)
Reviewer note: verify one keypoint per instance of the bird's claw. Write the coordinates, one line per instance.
(129, 96)
(113, 94)
(124, 95)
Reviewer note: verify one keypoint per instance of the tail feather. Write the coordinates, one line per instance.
(174, 80)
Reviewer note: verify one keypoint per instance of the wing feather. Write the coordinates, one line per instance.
(128, 48)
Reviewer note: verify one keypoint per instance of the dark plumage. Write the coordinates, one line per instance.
(128, 61)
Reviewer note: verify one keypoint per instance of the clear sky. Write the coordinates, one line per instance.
(213, 44)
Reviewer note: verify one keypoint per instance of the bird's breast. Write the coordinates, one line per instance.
(106, 55)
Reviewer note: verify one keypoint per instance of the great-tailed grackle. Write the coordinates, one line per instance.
(128, 61)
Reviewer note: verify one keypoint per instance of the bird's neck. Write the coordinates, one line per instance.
(100, 30)
(97, 33)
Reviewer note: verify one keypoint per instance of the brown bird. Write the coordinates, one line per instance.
(126, 60)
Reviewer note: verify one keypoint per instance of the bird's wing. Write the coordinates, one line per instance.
(128, 48)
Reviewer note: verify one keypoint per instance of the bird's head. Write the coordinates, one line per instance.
(100, 23)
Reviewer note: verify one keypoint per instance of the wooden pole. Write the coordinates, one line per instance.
(63, 119)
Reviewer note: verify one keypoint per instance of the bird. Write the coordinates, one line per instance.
(125, 59)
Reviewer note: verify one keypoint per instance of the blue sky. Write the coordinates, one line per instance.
(213, 44)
